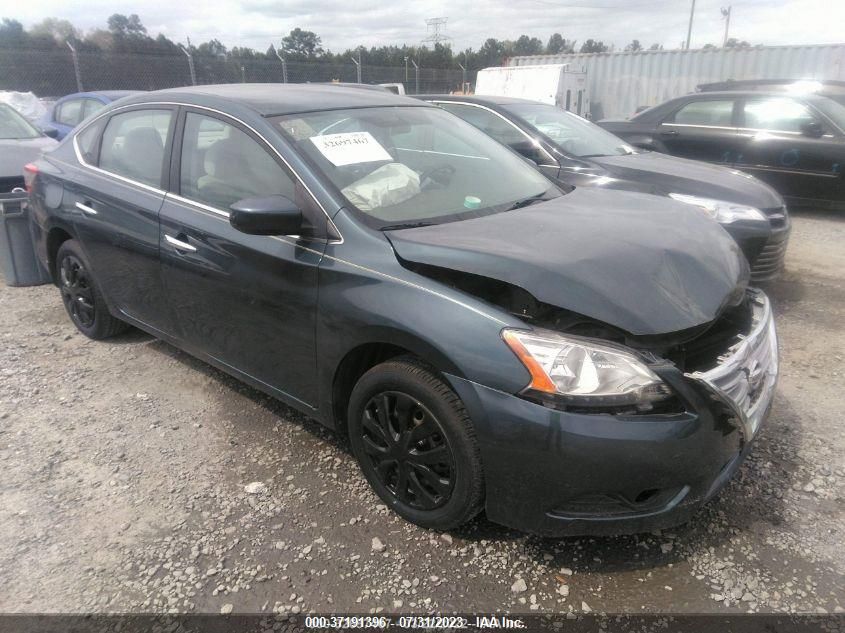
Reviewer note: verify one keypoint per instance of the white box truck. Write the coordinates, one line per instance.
(548, 83)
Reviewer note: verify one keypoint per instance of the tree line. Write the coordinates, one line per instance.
(127, 34)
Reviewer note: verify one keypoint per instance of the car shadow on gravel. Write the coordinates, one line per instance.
(132, 336)
(826, 215)
(752, 500)
(751, 503)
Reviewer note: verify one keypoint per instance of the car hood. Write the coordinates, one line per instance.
(645, 264)
(15, 153)
(669, 174)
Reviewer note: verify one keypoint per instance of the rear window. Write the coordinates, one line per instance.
(715, 113)
(133, 145)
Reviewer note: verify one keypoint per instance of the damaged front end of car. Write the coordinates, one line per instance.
(627, 423)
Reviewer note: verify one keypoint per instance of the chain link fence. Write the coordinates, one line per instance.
(54, 73)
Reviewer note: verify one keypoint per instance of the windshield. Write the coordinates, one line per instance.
(412, 165)
(13, 125)
(574, 135)
(834, 110)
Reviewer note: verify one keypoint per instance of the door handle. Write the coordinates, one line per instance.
(86, 209)
(670, 132)
(179, 245)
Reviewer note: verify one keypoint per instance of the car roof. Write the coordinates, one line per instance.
(708, 94)
(479, 99)
(109, 95)
(281, 99)
(739, 84)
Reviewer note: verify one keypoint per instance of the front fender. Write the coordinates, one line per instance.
(373, 299)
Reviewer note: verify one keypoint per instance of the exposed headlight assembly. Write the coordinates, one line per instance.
(720, 210)
(583, 372)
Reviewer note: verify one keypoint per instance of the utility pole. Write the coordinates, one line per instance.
(726, 13)
(689, 30)
(284, 66)
(76, 70)
(357, 63)
(190, 64)
(406, 69)
(417, 76)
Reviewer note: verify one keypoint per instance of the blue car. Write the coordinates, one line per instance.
(71, 110)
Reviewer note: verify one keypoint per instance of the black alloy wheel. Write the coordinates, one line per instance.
(416, 444)
(408, 450)
(81, 294)
(77, 292)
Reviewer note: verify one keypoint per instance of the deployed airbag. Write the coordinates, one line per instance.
(388, 185)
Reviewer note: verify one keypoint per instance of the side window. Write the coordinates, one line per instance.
(70, 112)
(87, 142)
(92, 106)
(221, 165)
(491, 124)
(133, 145)
(718, 113)
(776, 114)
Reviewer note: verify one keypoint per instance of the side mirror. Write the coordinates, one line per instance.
(271, 215)
(528, 150)
(51, 132)
(813, 129)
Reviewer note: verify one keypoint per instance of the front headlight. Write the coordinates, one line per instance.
(582, 372)
(720, 210)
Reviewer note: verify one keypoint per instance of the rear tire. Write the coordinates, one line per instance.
(416, 444)
(81, 296)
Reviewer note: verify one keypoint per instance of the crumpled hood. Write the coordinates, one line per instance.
(15, 153)
(645, 264)
(691, 177)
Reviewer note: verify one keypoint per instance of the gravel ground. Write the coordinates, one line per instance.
(136, 478)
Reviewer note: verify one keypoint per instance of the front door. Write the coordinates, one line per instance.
(781, 148)
(247, 301)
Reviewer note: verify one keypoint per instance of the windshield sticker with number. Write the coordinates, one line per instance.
(350, 148)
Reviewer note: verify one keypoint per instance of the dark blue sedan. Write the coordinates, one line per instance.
(583, 361)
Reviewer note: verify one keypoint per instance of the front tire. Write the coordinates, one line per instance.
(81, 296)
(416, 444)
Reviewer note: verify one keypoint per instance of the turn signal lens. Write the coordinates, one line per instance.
(30, 171)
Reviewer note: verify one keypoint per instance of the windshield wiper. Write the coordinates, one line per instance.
(540, 197)
(406, 225)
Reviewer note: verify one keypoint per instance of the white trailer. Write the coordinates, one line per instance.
(551, 83)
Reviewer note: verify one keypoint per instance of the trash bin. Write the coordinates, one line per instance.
(18, 261)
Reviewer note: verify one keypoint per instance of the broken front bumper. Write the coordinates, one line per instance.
(747, 372)
(560, 473)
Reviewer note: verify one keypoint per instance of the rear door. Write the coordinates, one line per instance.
(780, 147)
(247, 301)
(115, 200)
(702, 129)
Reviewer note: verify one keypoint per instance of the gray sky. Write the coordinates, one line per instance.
(345, 23)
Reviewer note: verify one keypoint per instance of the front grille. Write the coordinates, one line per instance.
(771, 260)
(746, 373)
(8, 183)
